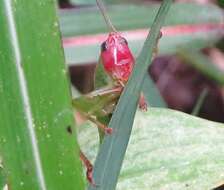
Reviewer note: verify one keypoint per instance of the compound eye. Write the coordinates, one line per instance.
(123, 40)
(103, 46)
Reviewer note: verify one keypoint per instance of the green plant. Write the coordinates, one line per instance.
(38, 146)
(36, 149)
(163, 132)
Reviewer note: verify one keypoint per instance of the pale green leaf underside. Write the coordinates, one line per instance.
(168, 150)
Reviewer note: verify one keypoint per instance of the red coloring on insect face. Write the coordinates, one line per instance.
(117, 58)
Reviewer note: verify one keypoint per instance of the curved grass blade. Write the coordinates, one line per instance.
(202, 64)
(109, 160)
(200, 102)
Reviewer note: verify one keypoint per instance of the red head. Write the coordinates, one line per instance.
(117, 58)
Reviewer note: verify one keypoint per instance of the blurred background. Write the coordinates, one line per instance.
(189, 69)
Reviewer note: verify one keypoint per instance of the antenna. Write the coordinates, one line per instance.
(105, 16)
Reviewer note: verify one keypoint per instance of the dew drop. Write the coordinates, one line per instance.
(55, 24)
(18, 139)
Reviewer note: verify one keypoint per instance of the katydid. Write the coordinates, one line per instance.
(116, 63)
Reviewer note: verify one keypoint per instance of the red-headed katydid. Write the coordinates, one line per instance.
(117, 62)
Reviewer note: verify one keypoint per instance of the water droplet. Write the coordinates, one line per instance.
(64, 71)
(55, 24)
(18, 139)
(21, 183)
(44, 125)
(61, 172)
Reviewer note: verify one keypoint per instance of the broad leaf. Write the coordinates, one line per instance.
(167, 150)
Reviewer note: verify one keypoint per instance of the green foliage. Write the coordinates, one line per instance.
(112, 150)
(167, 150)
(221, 3)
(91, 2)
(83, 2)
(128, 17)
(35, 147)
(3, 180)
(131, 17)
(202, 63)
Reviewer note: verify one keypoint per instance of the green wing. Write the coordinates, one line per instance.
(97, 103)
(101, 78)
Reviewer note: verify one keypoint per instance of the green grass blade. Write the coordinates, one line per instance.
(152, 94)
(188, 27)
(109, 160)
(124, 17)
(200, 102)
(202, 64)
(36, 149)
(76, 53)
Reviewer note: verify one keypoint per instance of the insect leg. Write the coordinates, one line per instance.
(156, 48)
(89, 168)
(142, 102)
(101, 126)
